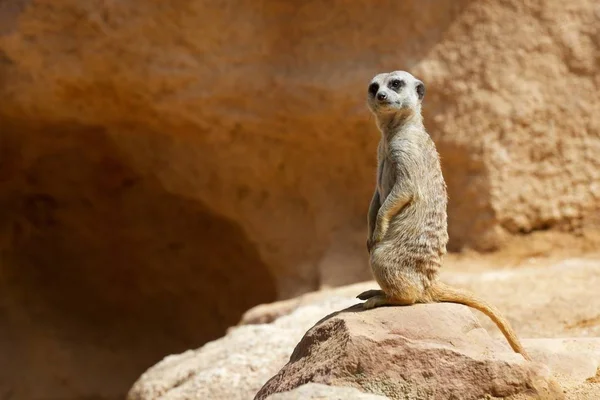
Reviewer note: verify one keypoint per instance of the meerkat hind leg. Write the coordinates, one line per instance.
(376, 301)
(380, 299)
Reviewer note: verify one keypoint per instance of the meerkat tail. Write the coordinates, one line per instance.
(444, 293)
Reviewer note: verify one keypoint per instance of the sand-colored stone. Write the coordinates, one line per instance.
(514, 105)
(547, 301)
(254, 351)
(317, 391)
(166, 159)
(235, 366)
(433, 351)
(572, 360)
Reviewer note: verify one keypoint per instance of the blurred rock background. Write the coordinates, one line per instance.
(165, 166)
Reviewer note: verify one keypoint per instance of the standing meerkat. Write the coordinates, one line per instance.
(407, 219)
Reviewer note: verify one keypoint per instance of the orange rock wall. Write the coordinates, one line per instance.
(166, 165)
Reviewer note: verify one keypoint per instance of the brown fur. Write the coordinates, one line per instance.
(407, 219)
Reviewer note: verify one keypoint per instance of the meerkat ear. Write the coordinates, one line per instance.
(420, 90)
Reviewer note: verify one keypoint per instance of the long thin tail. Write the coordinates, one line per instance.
(444, 293)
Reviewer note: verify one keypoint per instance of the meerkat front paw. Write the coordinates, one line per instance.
(376, 238)
(381, 227)
(370, 244)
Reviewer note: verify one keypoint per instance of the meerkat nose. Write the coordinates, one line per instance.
(381, 96)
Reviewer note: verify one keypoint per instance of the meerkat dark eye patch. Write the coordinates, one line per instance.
(396, 84)
(420, 90)
(373, 88)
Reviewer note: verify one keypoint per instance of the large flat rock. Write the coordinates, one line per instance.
(433, 351)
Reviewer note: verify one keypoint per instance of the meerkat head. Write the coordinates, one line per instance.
(394, 93)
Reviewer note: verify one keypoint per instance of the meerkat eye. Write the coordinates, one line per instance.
(373, 88)
(420, 90)
(396, 83)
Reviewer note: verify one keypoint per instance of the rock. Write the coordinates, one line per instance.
(549, 301)
(161, 172)
(236, 366)
(514, 155)
(436, 351)
(252, 353)
(106, 271)
(316, 391)
(572, 360)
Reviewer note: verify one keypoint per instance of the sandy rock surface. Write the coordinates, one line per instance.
(236, 366)
(317, 391)
(573, 360)
(556, 300)
(431, 351)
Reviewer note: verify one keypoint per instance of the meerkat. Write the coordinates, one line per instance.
(407, 217)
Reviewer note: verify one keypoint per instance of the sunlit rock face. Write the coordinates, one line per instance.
(164, 166)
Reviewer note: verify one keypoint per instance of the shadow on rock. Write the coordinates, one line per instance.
(104, 271)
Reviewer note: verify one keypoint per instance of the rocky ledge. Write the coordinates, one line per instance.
(322, 346)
